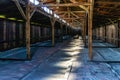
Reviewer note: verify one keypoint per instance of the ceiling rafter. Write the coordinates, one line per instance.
(106, 2)
(72, 11)
(66, 4)
(81, 6)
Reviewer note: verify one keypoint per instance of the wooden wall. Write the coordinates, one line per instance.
(12, 34)
(108, 33)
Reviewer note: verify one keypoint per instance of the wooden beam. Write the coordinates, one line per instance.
(112, 22)
(90, 18)
(44, 13)
(106, 2)
(28, 30)
(67, 12)
(33, 12)
(70, 18)
(20, 8)
(66, 4)
(81, 6)
(74, 15)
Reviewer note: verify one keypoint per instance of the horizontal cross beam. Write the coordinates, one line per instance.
(105, 2)
(67, 4)
(70, 11)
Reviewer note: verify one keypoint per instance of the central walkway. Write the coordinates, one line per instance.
(58, 65)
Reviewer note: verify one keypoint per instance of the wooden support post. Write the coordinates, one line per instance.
(66, 30)
(96, 33)
(61, 31)
(14, 37)
(4, 34)
(105, 34)
(28, 30)
(85, 30)
(53, 31)
(90, 14)
(69, 31)
(118, 33)
(82, 30)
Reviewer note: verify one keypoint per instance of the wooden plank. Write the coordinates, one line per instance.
(28, 30)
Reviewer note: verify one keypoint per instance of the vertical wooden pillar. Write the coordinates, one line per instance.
(69, 31)
(66, 30)
(90, 13)
(105, 33)
(118, 33)
(84, 31)
(61, 31)
(20, 34)
(28, 30)
(14, 37)
(4, 34)
(85, 35)
(53, 31)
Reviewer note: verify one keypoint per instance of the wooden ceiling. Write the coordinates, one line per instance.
(72, 11)
(106, 11)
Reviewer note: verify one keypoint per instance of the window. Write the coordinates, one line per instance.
(34, 2)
